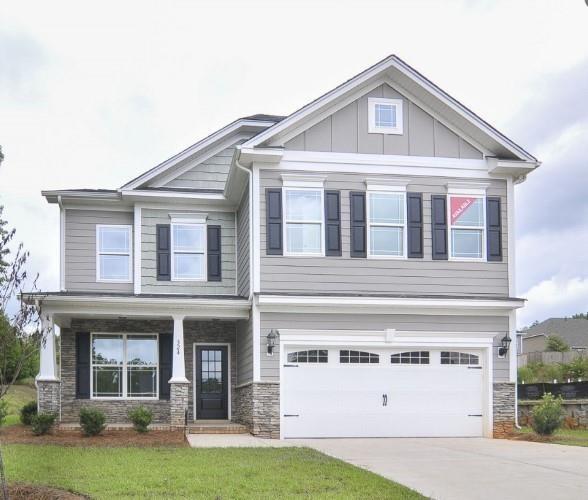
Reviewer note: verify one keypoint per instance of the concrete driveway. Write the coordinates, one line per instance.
(469, 468)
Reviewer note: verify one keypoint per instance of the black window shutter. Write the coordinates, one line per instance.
(333, 223)
(163, 248)
(439, 226)
(493, 228)
(213, 239)
(358, 224)
(83, 365)
(165, 364)
(274, 223)
(415, 225)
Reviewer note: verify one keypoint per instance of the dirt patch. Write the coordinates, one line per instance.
(17, 491)
(531, 436)
(19, 434)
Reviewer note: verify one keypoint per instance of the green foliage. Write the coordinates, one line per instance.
(41, 423)
(547, 415)
(580, 316)
(27, 412)
(141, 418)
(525, 374)
(548, 372)
(556, 344)
(92, 421)
(3, 410)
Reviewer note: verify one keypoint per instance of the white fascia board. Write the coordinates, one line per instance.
(263, 155)
(138, 193)
(207, 141)
(67, 195)
(171, 199)
(511, 167)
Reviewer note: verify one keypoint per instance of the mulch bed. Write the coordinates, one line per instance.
(531, 436)
(20, 434)
(17, 491)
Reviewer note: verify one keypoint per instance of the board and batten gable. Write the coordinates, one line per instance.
(346, 131)
(150, 217)
(270, 365)
(291, 274)
(80, 249)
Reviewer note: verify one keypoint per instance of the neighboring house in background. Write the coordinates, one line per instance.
(347, 270)
(573, 331)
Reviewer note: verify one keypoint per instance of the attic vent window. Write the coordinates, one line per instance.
(385, 116)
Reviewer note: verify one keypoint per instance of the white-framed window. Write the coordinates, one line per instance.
(124, 366)
(188, 251)
(113, 253)
(304, 213)
(467, 227)
(386, 224)
(385, 116)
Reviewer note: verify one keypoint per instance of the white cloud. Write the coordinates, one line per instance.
(555, 298)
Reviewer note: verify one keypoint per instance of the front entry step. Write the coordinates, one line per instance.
(216, 427)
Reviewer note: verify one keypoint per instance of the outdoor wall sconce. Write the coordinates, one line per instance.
(271, 341)
(505, 344)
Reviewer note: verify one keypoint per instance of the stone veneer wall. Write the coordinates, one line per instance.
(178, 403)
(575, 412)
(504, 409)
(259, 408)
(48, 396)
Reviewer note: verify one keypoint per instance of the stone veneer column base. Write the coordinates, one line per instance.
(178, 403)
(257, 406)
(48, 396)
(504, 409)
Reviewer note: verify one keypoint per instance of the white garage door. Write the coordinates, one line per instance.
(352, 392)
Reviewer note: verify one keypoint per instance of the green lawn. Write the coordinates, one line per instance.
(17, 396)
(572, 437)
(196, 473)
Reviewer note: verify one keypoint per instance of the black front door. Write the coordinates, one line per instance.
(211, 382)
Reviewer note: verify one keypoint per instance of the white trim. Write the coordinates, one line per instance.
(397, 104)
(229, 386)
(62, 222)
(47, 359)
(397, 184)
(188, 218)
(137, 254)
(513, 348)
(403, 226)
(510, 221)
(124, 367)
(129, 227)
(320, 222)
(451, 227)
(256, 243)
(467, 188)
(138, 193)
(303, 181)
(256, 334)
(204, 253)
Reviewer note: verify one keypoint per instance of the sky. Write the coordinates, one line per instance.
(94, 93)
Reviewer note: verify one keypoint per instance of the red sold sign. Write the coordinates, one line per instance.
(459, 204)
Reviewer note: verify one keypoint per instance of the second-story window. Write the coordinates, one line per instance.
(188, 260)
(113, 253)
(467, 222)
(304, 214)
(386, 224)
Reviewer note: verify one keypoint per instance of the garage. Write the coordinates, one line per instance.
(352, 391)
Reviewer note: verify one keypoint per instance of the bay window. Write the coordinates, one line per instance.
(113, 253)
(467, 226)
(304, 219)
(386, 224)
(188, 244)
(124, 366)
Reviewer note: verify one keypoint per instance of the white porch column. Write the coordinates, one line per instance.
(178, 360)
(47, 366)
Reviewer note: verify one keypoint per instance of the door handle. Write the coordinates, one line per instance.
(384, 399)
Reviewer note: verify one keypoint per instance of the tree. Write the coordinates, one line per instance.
(21, 332)
(580, 316)
(556, 344)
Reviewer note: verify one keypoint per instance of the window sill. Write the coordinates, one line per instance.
(387, 257)
(95, 398)
(467, 259)
(113, 281)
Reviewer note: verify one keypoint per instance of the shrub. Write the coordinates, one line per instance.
(3, 410)
(141, 418)
(556, 344)
(27, 412)
(92, 421)
(41, 423)
(547, 415)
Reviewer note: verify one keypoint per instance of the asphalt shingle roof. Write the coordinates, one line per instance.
(573, 331)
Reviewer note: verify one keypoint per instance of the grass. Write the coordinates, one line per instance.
(196, 473)
(571, 437)
(17, 396)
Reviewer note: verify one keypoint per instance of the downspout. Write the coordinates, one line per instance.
(250, 175)
(516, 407)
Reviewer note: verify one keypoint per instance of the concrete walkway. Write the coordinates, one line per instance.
(469, 468)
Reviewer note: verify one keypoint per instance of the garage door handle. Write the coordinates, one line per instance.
(475, 415)
(290, 415)
(290, 366)
(474, 367)
(384, 399)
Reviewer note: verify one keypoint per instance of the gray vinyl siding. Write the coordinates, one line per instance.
(346, 131)
(149, 284)
(244, 351)
(380, 276)
(243, 245)
(80, 249)
(210, 174)
(270, 365)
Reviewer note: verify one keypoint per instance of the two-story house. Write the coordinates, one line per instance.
(347, 270)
